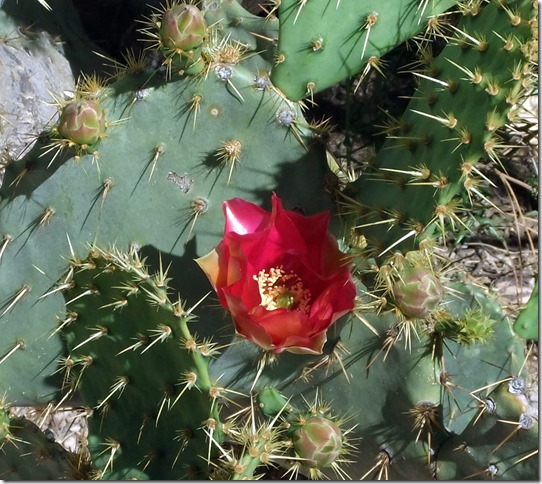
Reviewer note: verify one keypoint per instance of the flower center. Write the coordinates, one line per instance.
(279, 289)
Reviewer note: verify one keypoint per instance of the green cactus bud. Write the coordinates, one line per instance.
(417, 293)
(473, 327)
(319, 440)
(183, 27)
(82, 122)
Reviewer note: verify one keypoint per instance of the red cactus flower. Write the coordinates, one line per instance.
(281, 276)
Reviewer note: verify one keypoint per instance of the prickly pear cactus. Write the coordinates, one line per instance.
(153, 172)
(322, 43)
(103, 305)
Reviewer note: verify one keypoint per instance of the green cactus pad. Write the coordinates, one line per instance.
(500, 443)
(526, 324)
(134, 361)
(473, 366)
(405, 402)
(412, 189)
(324, 42)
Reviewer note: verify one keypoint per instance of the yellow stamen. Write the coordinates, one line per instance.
(279, 289)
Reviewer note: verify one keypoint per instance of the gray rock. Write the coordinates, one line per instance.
(33, 71)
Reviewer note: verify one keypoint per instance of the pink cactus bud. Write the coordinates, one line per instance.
(82, 122)
(183, 27)
(417, 293)
(319, 440)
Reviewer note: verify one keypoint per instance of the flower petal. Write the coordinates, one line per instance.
(334, 302)
(289, 331)
(309, 346)
(221, 270)
(243, 217)
(210, 265)
(244, 323)
(280, 324)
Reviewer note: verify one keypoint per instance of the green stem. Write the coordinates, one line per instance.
(201, 362)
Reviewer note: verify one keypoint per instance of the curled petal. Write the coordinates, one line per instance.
(222, 271)
(243, 217)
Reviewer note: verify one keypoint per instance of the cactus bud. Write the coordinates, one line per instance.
(474, 326)
(417, 293)
(82, 122)
(183, 27)
(319, 440)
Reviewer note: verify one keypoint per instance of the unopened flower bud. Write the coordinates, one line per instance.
(82, 122)
(319, 440)
(417, 293)
(183, 27)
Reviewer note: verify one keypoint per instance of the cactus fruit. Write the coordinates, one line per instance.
(182, 28)
(417, 293)
(178, 33)
(314, 439)
(318, 441)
